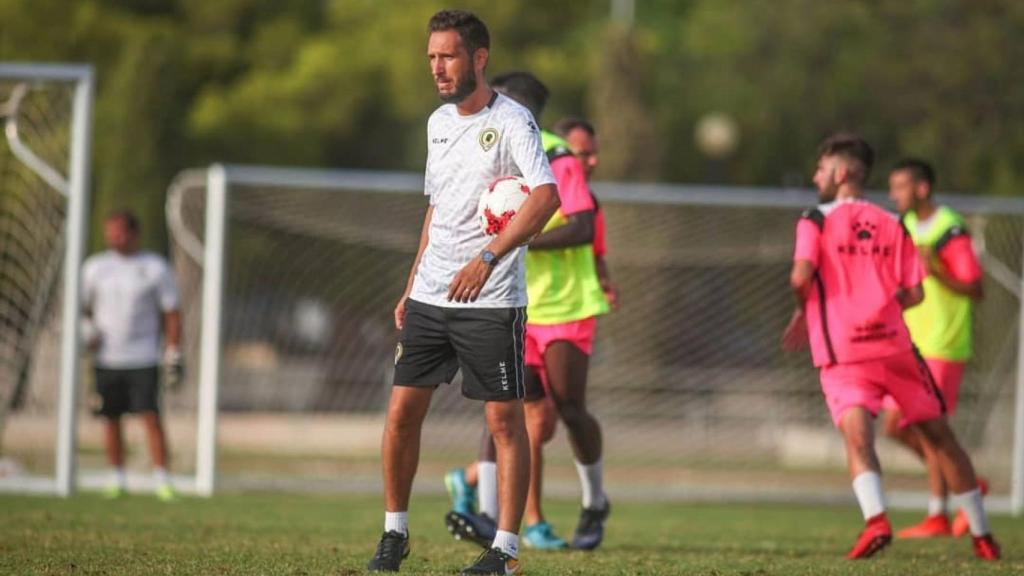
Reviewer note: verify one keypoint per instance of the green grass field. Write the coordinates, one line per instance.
(306, 535)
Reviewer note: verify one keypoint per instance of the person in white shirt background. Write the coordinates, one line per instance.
(130, 300)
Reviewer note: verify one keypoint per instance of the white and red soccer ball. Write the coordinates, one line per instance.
(500, 202)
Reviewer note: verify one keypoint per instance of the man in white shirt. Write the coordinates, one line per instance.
(129, 299)
(464, 303)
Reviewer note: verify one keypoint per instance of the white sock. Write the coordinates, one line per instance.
(396, 522)
(487, 488)
(161, 476)
(868, 488)
(507, 542)
(936, 506)
(971, 504)
(120, 479)
(591, 476)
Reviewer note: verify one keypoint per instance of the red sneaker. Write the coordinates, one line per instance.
(877, 534)
(931, 527)
(986, 547)
(960, 524)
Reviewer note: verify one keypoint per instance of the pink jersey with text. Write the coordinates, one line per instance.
(862, 257)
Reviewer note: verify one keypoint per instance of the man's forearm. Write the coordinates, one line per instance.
(579, 231)
(531, 219)
(172, 329)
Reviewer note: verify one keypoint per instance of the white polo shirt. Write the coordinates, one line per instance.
(464, 155)
(127, 295)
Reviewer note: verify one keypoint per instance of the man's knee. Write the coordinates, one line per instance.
(541, 421)
(891, 426)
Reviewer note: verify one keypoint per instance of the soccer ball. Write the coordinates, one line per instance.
(500, 202)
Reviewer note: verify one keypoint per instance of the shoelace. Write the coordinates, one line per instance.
(590, 518)
(493, 552)
(390, 546)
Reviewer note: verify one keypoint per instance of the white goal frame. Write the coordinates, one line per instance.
(219, 179)
(76, 189)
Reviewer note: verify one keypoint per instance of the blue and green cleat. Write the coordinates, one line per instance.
(462, 494)
(541, 536)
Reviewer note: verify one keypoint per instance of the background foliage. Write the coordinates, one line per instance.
(344, 83)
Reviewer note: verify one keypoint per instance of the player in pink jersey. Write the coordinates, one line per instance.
(582, 139)
(855, 269)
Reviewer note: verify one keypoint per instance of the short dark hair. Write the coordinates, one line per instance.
(851, 147)
(131, 221)
(919, 170)
(471, 29)
(570, 123)
(524, 88)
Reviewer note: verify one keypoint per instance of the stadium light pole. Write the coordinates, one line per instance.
(210, 337)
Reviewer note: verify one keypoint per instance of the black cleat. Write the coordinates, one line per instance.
(478, 529)
(393, 548)
(493, 561)
(590, 529)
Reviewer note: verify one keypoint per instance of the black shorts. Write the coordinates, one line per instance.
(487, 343)
(131, 390)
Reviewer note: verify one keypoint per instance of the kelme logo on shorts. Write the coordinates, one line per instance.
(398, 353)
(488, 138)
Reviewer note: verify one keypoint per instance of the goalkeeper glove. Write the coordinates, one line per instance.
(173, 368)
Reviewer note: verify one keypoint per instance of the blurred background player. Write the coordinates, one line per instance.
(565, 299)
(941, 325)
(129, 297)
(463, 307)
(581, 137)
(855, 269)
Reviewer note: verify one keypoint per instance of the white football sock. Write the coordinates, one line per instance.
(396, 522)
(487, 488)
(161, 476)
(507, 542)
(936, 506)
(970, 503)
(119, 477)
(868, 488)
(591, 476)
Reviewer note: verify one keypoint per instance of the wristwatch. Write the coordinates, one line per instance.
(489, 258)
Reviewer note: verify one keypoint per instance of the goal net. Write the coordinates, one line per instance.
(44, 111)
(687, 378)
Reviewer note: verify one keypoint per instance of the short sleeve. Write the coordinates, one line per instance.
(167, 289)
(958, 257)
(600, 247)
(808, 241)
(527, 151)
(573, 191)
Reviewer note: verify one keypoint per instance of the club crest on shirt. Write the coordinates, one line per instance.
(488, 138)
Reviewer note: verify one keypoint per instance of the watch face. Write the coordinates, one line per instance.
(487, 257)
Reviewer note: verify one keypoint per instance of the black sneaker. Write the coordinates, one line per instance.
(393, 548)
(590, 529)
(493, 561)
(478, 529)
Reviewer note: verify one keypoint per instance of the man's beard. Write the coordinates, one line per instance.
(463, 88)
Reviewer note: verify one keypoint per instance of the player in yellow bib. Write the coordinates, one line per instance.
(941, 325)
(565, 297)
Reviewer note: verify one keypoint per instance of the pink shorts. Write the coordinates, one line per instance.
(865, 384)
(579, 333)
(947, 375)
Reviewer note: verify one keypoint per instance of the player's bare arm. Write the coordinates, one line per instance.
(424, 238)
(530, 220)
(794, 337)
(578, 231)
(910, 297)
(604, 276)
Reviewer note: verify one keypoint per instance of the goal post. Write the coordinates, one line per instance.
(289, 277)
(57, 153)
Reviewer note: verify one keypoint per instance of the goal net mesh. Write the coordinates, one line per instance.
(687, 378)
(34, 153)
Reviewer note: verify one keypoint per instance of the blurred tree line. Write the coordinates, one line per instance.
(345, 83)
